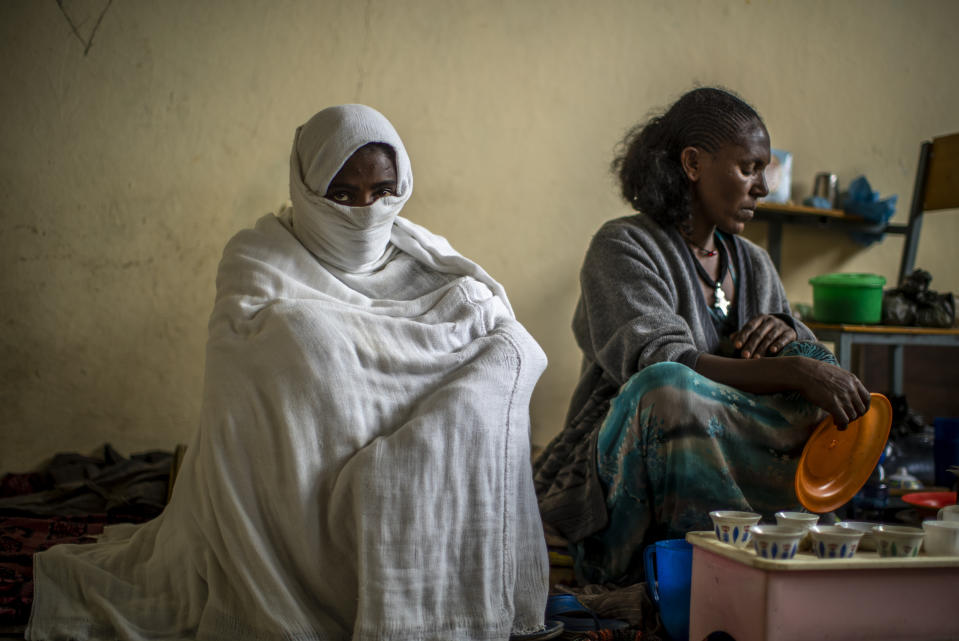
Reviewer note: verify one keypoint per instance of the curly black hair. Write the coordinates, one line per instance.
(647, 160)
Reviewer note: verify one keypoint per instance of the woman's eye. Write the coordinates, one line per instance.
(341, 197)
(384, 192)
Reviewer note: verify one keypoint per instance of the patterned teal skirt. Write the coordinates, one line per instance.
(676, 445)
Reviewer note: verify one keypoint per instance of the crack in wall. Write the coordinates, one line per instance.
(87, 42)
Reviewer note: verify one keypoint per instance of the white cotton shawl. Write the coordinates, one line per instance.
(361, 470)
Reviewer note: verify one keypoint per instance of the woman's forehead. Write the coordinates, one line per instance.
(755, 132)
(753, 141)
(368, 158)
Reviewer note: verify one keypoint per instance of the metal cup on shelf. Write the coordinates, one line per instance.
(826, 185)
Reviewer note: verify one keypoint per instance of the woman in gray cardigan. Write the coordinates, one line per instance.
(681, 407)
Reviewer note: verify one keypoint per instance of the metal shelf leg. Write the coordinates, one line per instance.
(895, 369)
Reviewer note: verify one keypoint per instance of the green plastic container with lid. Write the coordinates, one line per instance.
(847, 298)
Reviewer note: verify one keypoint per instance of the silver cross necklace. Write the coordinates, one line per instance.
(720, 302)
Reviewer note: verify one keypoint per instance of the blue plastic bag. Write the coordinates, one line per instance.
(861, 200)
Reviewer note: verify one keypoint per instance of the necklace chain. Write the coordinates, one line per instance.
(705, 253)
(720, 302)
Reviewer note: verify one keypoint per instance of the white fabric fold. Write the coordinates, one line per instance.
(361, 470)
(354, 239)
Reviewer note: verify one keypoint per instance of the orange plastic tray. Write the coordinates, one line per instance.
(835, 464)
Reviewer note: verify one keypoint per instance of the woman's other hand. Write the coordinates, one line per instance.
(834, 389)
(763, 335)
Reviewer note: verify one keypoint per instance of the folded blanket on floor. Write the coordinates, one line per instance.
(111, 487)
(362, 469)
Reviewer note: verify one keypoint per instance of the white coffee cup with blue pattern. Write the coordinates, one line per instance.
(832, 542)
(776, 541)
(732, 526)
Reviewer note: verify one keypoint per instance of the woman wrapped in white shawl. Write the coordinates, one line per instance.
(362, 465)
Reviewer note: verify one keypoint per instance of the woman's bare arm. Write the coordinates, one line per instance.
(832, 388)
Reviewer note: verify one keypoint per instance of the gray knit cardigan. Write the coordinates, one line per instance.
(640, 303)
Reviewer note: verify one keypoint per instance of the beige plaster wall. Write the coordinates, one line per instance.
(126, 163)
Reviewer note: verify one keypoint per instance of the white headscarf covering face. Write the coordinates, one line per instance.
(350, 238)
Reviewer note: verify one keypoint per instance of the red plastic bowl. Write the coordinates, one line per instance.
(930, 501)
